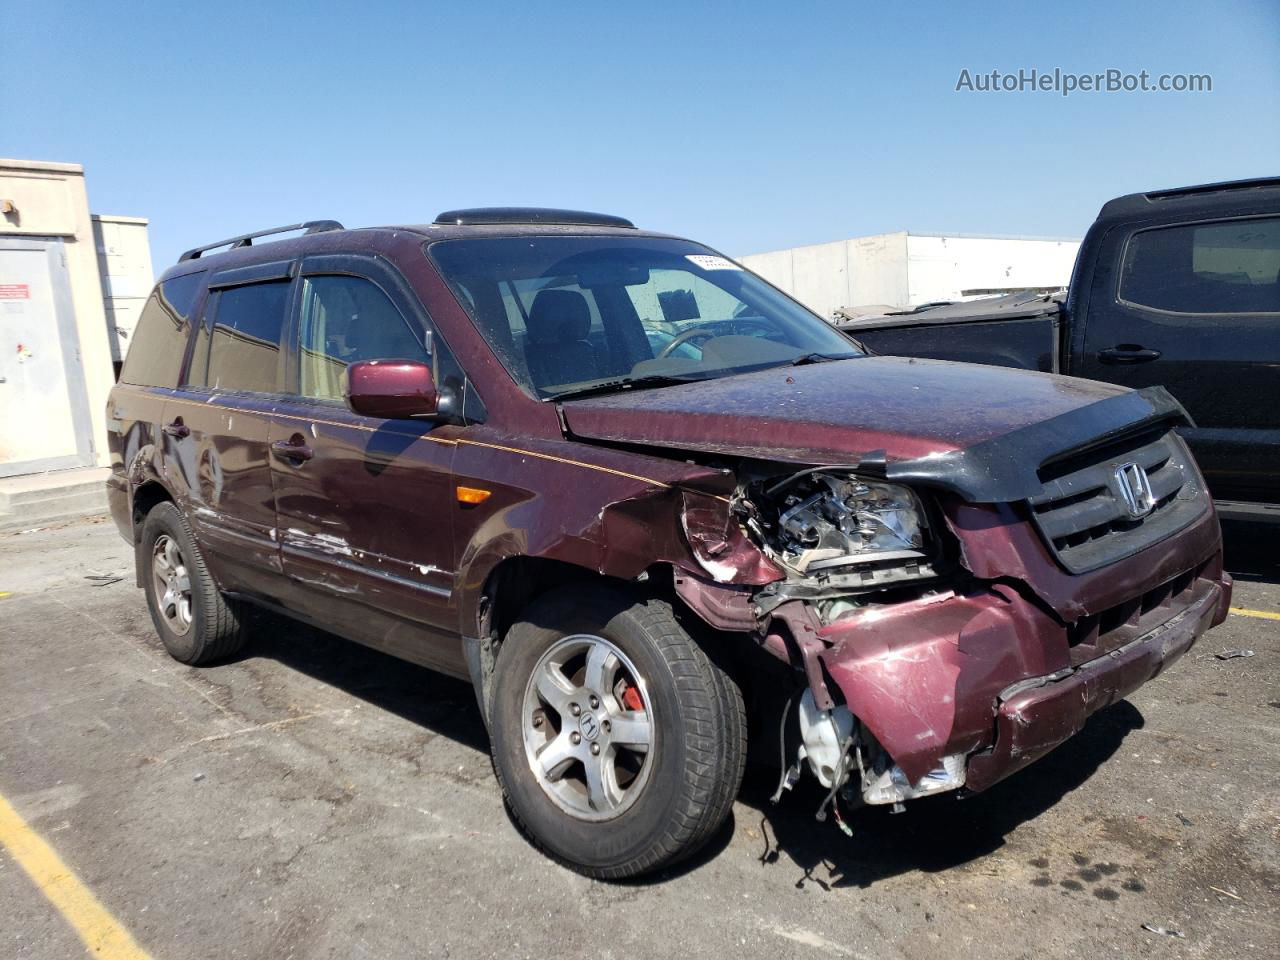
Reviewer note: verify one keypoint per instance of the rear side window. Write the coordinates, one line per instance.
(242, 343)
(1228, 267)
(160, 338)
(346, 319)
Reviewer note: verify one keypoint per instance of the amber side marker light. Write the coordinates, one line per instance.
(473, 495)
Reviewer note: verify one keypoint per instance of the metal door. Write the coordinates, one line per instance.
(365, 505)
(1213, 344)
(44, 411)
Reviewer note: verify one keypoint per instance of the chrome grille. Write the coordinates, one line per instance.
(1085, 509)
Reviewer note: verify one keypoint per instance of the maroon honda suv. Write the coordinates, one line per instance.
(649, 505)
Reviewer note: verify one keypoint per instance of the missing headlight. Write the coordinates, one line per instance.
(835, 526)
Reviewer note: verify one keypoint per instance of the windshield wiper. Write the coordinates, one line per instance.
(809, 358)
(622, 383)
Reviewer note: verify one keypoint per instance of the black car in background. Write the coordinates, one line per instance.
(1177, 288)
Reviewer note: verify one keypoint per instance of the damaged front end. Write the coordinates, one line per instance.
(849, 544)
(841, 545)
(941, 645)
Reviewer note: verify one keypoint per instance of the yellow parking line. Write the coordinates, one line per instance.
(102, 934)
(1260, 614)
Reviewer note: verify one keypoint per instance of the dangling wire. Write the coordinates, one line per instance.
(836, 781)
(784, 779)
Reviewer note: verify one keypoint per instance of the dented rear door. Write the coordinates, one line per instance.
(216, 426)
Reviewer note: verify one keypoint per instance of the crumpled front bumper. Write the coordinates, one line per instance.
(1034, 716)
(991, 676)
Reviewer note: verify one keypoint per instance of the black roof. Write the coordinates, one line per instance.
(1226, 193)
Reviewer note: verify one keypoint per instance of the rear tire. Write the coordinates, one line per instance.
(618, 744)
(196, 623)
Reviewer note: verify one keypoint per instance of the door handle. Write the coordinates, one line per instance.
(177, 429)
(1127, 353)
(295, 448)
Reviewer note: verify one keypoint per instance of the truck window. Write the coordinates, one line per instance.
(160, 338)
(345, 319)
(243, 342)
(1227, 267)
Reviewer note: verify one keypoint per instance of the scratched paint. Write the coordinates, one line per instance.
(323, 542)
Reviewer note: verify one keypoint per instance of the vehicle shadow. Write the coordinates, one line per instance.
(434, 701)
(933, 834)
(1250, 549)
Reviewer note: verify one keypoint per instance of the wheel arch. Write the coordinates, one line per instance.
(146, 496)
(508, 588)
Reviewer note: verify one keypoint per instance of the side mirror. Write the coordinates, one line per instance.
(392, 389)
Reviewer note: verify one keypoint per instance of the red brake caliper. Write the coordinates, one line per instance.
(631, 699)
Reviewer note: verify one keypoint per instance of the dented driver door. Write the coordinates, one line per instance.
(363, 504)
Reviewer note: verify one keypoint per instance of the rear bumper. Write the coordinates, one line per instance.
(1034, 716)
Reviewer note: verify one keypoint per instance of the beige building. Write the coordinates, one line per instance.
(57, 335)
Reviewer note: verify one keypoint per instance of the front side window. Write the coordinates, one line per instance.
(244, 341)
(1226, 267)
(160, 338)
(567, 314)
(346, 319)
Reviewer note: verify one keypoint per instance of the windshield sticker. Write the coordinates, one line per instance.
(711, 263)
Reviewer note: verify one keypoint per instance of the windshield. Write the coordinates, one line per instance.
(572, 314)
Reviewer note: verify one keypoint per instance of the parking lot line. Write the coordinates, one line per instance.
(1260, 614)
(103, 935)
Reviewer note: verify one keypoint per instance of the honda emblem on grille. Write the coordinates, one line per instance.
(1134, 489)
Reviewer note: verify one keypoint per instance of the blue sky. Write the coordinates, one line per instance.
(751, 126)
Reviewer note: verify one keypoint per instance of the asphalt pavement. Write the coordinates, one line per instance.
(317, 799)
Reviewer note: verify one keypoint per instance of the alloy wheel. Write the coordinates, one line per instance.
(172, 584)
(588, 725)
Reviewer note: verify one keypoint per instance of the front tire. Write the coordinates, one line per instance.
(619, 745)
(196, 623)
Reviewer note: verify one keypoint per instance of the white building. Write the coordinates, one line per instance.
(906, 269)
(124, 262)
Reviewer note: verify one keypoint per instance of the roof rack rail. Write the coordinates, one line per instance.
(246, 239)
(543, 215)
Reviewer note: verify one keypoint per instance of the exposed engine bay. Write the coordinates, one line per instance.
(845, 542)
(839, 537)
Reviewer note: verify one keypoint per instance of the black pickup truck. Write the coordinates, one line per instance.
(1179, 288)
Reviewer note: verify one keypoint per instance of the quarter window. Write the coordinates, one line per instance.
(160, 339)
(1228, 267)
(244, 342)
(346, 319)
